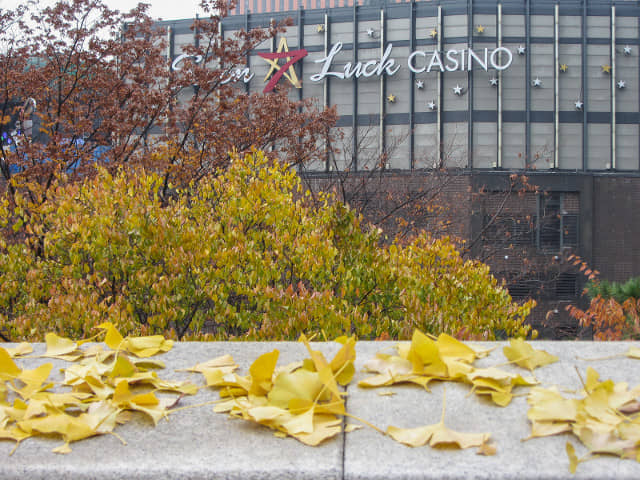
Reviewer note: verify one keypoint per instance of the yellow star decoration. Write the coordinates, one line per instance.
(291, 75)
(434, 33)
(391, 98)
(320, 28)
(564, 67)
(606, 68)
(480, 29)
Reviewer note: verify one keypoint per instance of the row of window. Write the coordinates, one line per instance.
(550, 228)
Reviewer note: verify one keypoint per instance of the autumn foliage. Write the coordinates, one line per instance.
(82, 85)
(244, 254)
(614, 310)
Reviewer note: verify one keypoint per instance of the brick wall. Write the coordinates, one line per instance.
(616, 227)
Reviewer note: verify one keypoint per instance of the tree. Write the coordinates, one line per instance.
(511, 224)
(103, 93)
(247, 252)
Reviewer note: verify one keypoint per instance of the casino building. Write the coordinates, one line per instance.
(483, 87)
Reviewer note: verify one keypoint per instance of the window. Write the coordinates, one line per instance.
(547, 225)
(505, 231)
(556, 229)
(542, 285)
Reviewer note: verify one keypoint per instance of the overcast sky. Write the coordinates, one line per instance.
(165, 9)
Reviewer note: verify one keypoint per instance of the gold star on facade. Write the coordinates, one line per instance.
(564, 67)
(391, 98)
(291, 74)
(480, 29)
(434, 33)
(606, 68)
(320, 28)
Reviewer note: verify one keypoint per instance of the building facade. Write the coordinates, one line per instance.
(482, 87)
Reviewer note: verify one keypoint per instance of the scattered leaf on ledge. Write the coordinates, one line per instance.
(524, 355)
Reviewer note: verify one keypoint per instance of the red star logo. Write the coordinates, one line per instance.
(287, 69)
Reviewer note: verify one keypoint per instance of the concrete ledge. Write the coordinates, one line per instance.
(200, 444)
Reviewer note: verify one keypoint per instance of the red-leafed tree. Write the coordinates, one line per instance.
(81, 84)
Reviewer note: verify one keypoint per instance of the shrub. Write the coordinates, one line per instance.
(242, 255)
(614, 309)
(620, 292)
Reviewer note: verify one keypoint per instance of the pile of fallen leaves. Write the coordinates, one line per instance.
(606, 419)
(306, 399)
(303, 399)
(427, 359)
(105, 385)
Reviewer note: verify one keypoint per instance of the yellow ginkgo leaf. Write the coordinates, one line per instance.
(33, 380)
(324, 428)
(389, 364)
(342, 364)
(218, 362)
(143, 347)
(216, 370)
(386, 393)
(486, 449)
(13, 433)
(146, 403)
(261, 372)
(69, 427)
(633, 352)
(23, 348)
(300, 424)
(424, 355)
(352, 427)
(449, 347)
(548, 428)
(8, 368)
(550, 406)
(324, 371)
(301, 384)
(61, 347)
(524, 355)
(437, 435)
(573, 459)
(122, 367)
(113, 339)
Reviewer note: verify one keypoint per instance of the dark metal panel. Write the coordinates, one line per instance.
(539, 40)
(396, 119)
(527, 83)
(470, 85)
(585, 90)
(300, 45)
(627, 118)
(599, 117)
(575, 116)
(354, 103)
(412, 87)
(399, 10)
(368, 119)
(344, 121)
(426, 117)
(455, 116)
(541, 116)
(485, 116)
(514, 116)
(426, 42)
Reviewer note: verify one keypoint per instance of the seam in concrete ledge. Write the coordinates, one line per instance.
(344, 434)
